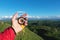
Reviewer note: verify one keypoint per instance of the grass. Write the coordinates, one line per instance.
(26, 34)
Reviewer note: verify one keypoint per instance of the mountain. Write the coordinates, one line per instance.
(35, 18)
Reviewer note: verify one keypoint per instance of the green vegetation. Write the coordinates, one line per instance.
(37, 30)
(26, 34)
(47, 29)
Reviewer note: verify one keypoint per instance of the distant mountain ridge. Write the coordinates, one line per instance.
(36, 18)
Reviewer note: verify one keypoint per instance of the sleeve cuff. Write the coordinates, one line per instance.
(13, 30)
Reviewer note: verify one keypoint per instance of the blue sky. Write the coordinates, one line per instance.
(32, 7)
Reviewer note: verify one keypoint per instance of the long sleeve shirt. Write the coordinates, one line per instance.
(8, 34)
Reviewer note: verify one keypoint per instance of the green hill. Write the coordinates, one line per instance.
(26, 34)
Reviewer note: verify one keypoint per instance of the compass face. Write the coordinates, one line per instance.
(21, 18)
(21, 21)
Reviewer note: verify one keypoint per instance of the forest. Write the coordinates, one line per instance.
(47, 29)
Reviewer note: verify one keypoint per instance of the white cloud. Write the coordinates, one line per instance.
(32, 16)
(29, 16)
(10, 16)
(6, 16)
(38, 17)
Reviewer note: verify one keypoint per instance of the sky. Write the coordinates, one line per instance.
(31, 7)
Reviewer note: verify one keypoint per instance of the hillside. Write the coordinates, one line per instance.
(47, 29)
(26, 34)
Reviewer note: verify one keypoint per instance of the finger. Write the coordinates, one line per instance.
(25, 23)
(15, 16)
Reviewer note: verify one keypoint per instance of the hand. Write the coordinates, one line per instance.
(15, 25)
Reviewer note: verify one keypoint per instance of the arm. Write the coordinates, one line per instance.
(8, 34)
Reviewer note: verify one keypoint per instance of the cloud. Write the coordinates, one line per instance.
(38, 17)
(29, 16)
(6, 17)
(33, 17)
(10, 16)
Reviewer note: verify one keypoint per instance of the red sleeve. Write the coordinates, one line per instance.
(8, 34)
